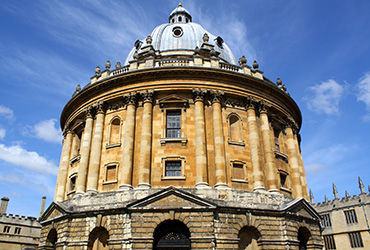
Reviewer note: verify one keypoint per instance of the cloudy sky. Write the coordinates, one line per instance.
(320, 50)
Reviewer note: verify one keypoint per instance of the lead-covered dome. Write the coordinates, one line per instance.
(180, 36)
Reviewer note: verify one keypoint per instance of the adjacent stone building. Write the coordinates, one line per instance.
(181, 148)
(18, 232)
(346, 220)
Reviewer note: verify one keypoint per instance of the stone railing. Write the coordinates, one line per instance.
(177, 62)
(230, 67)
(120, 71)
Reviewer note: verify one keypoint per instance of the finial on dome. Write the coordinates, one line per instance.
(180, 5)
(205, 38)
(149, 39)
(255, 64)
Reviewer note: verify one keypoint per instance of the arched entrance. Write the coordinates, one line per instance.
(98, 239)
(171, 235)
(52, 239)
(248, 237)
(303, 237)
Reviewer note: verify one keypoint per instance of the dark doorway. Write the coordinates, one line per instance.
(303, 235)
(171, 235)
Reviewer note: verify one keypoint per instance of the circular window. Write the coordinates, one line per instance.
(177, 31)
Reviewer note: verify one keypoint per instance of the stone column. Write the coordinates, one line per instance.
(253, 138)
(268, 146)
(200, 141)
(63, 167)
(96, 148)
(128, 144)
(293, 161)
(85, 152)
(146, 141)
(220, 162)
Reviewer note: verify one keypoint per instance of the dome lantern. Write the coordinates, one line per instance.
(180, 15)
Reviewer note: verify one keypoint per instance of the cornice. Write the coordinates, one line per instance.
(261, 88)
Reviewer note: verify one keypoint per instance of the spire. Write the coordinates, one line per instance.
(361, 185)
(311, 197)
(326, 198)
(347, 195)
(335, 192)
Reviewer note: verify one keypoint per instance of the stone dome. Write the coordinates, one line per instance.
(180, 36)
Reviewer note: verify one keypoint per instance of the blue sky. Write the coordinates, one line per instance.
(320, 50)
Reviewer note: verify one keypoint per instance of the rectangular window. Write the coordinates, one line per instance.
(351, 217)
(326, 221)
(17, 230)
(239, 171)
(355, 239)
(6, 229)
(173, 168)
(111, 173)
(283, 179)
(329, 242)
(173, 124)
(73, 183)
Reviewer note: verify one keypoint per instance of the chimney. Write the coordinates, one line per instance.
(4, 205)
(42, 205)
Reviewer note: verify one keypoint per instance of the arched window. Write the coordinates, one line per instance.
(235, 129)
(114, 138)
(248, 237)
(171, 234)
(98, 239)
(52, 239)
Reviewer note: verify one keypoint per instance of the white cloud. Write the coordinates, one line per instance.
(18, 156)
(7, 113)
(326, 97)
(364, 93)
(47, 131)
(2, 133)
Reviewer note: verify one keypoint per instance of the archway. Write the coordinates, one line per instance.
(51, 239)
(248, 237)
(303, 237)
(171, 235)
(98, 239)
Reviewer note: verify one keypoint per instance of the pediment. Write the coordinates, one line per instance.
(53, 211)
(171, 198)
(174, 101)
(303, 208)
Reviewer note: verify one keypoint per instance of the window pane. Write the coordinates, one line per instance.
(173, 168)
(173, 124)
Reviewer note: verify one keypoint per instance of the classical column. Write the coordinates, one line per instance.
(253, 138)
(146, 141)
(93, 177)
(128, 144)
(293, 161)
(268, 146)
(85, 152)
(200, 140)
(301, 169)
(63, 167)
(75, 143)
(220, 162)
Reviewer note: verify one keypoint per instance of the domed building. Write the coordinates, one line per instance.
(181, 148)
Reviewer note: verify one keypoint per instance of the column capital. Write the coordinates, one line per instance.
(147, 96)
(100, 107)
(263, 107)
(67, 129)
(217, 96)
(131, 98)
(290, 123)
(89, 112)
(250, 102)
(199, 94)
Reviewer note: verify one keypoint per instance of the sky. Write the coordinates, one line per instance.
(320, 50)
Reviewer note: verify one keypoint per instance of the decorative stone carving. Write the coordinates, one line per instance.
(214, 53)
(242, 61)
(250, 102)
(118, 65)
(217, 96)
(205, 38)
(147, 95)
(361, 185)
(263, 107)
(100, 107)
(97, 70)
(78, 89)
(196, 50)
(108, 65)
(131, 98)
(89, 112)
(335, 191)
(255, 64)
(149, 39)
(199, 94)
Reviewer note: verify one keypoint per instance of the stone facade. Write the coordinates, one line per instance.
(18, 232)
(346, 220)
(181, 147)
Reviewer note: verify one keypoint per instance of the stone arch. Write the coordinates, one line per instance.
(248, 238)
(98, 239)
(115, 131)
(28, 248)
(235, 128)
(171, 234)
(304, 237)
(52, 239)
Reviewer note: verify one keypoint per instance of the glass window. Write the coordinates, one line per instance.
(326, 221)
(329, 242)
(6, 229)
(173, 124)
(355, 239)
(173, 168)
(350, 216)
(17, 230)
